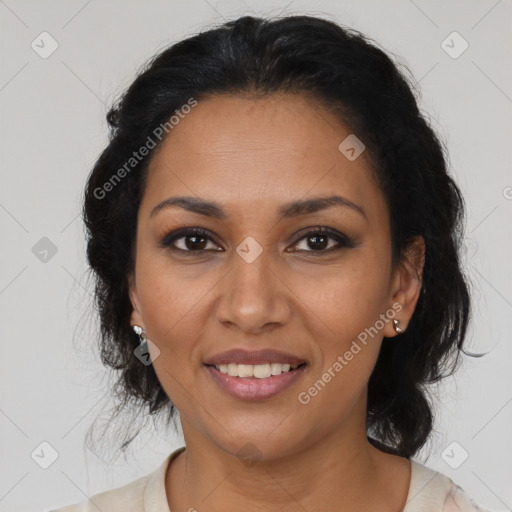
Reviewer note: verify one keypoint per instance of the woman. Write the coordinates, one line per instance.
(273, 221)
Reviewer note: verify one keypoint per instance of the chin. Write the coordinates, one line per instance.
(259, 441)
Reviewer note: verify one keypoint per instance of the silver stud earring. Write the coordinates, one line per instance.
(142, 351)
(141, 332)
(395, 323)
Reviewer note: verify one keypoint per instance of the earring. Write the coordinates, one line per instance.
(395, 323)
(142, 351)
(141, 332)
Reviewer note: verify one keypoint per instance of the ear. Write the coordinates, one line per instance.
(406, 285)
(136, 315)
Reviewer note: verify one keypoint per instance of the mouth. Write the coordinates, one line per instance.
(258, 371)
(255, 381)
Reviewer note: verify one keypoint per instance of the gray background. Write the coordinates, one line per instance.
(52, 130)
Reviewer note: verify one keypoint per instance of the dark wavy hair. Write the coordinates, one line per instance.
(346, 72)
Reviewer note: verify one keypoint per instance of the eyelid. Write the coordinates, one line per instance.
(341, 239)
(167, 241)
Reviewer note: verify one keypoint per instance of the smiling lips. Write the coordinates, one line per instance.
(256, 375)
(253, 357)
(260, 371)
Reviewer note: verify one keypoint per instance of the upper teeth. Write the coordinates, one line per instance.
(260, 371)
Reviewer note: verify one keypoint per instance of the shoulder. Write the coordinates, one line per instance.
(431, 491)
(128, 498)
(145, 494)
(457, 500)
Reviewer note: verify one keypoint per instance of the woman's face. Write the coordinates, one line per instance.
(262, 278)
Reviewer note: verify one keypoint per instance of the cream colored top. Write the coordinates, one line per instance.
(429, 491)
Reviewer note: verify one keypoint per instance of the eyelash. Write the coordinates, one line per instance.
(341, 239)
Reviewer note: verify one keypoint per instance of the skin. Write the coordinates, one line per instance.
(251, 156)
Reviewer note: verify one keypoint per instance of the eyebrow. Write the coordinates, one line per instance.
(288, 210)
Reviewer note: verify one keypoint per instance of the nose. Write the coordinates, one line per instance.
(253, 297)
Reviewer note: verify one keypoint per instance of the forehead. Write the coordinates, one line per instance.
(247, 152)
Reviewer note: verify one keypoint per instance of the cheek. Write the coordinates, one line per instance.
(175, 320)
(171, 295)
(347, 344)
(172, 311)
(347, 303)
(346, 298)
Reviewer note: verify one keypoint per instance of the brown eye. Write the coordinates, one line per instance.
(317, 240)
(191, 240)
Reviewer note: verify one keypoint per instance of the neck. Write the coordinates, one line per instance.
(343, 473)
